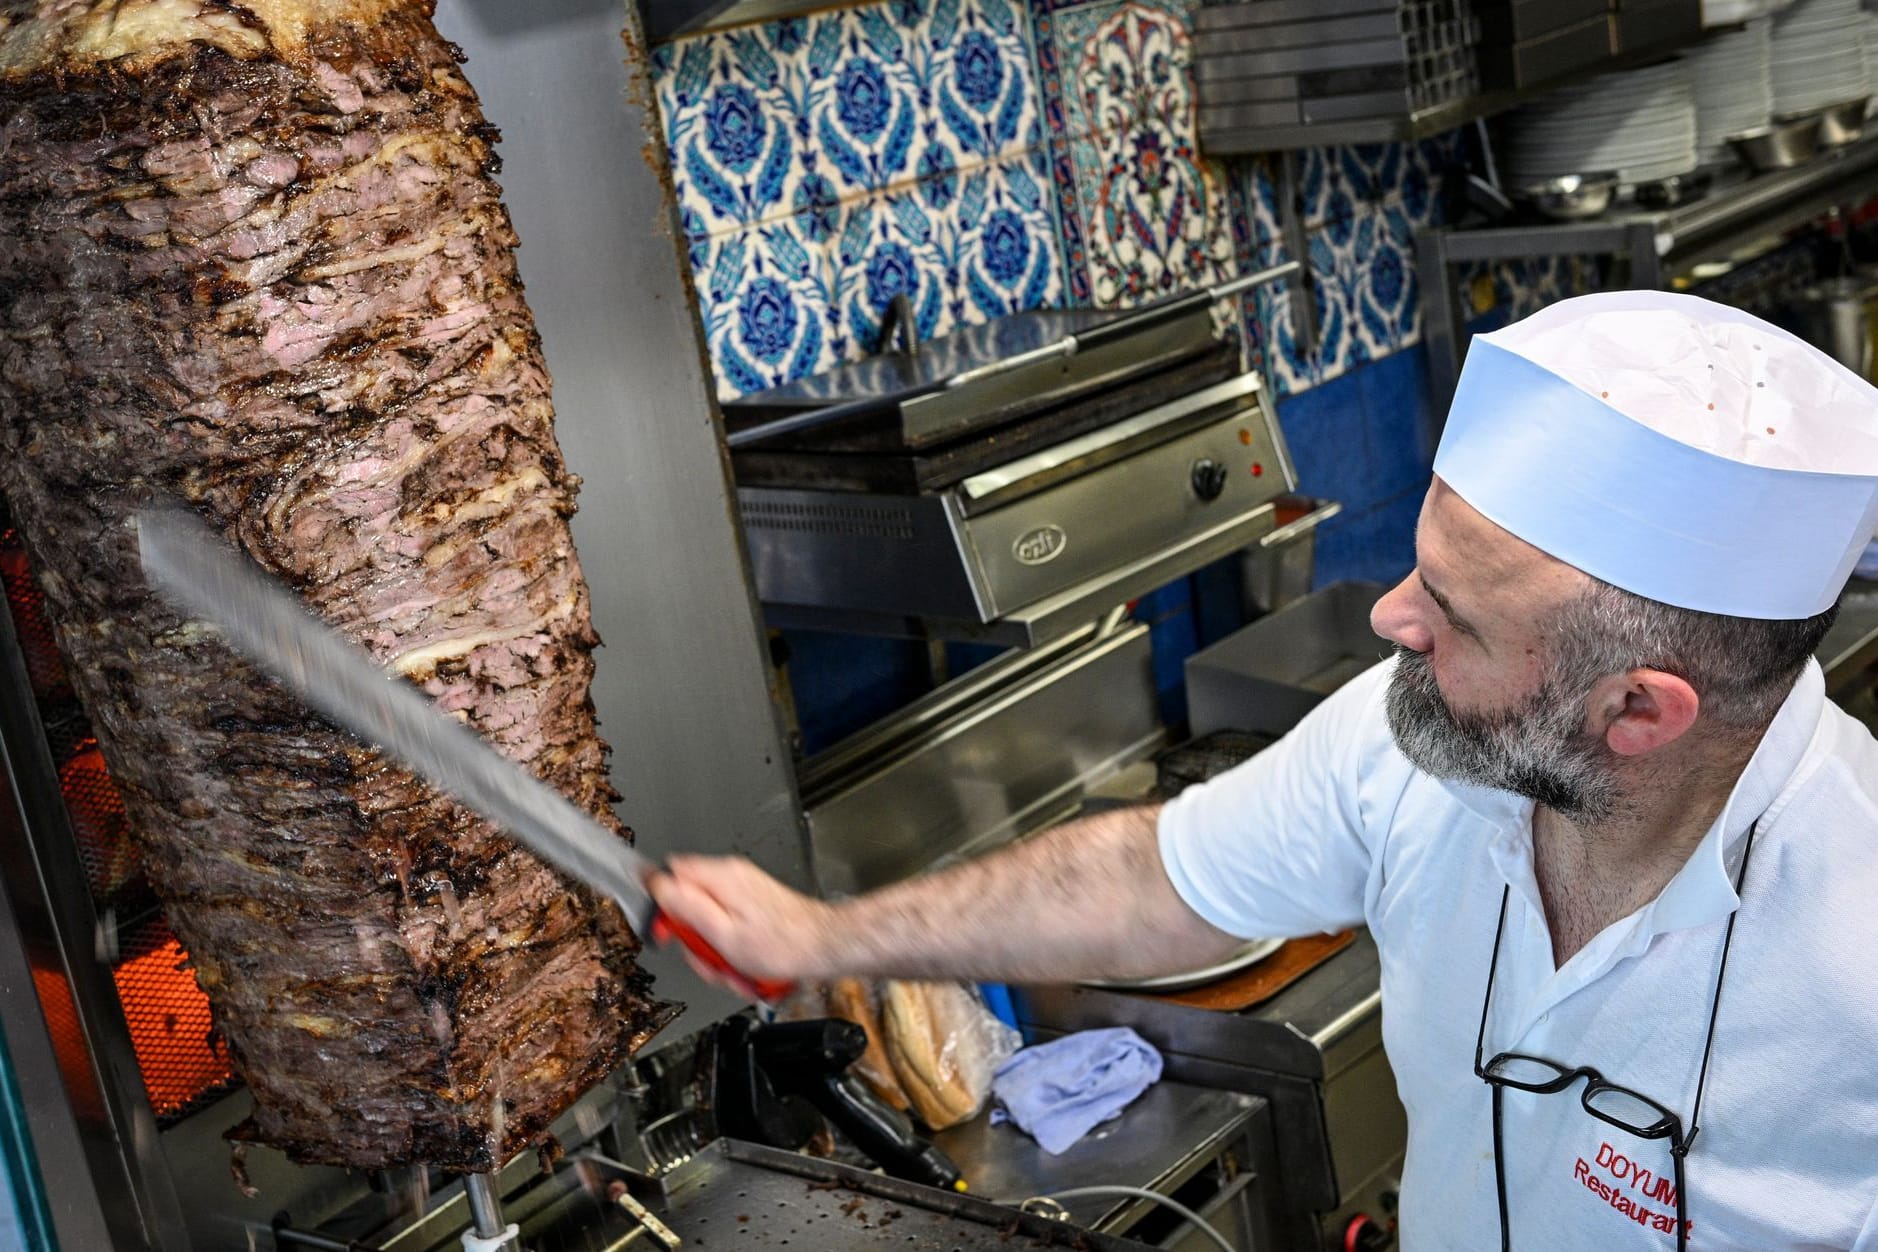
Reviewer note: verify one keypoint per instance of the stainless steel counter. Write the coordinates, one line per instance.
(1314, 1052)
(1160, 1142)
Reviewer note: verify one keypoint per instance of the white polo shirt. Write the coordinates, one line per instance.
(1333, 827)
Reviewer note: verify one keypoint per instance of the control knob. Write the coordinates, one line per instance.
(1209, 479)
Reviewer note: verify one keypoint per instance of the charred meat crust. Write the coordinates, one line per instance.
(284, 288)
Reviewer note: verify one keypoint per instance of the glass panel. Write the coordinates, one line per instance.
(1525, 1071)
(1626, 1107)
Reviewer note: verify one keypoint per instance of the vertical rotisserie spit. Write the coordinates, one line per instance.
(253, 255)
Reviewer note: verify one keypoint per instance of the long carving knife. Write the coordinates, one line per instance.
(197, 570)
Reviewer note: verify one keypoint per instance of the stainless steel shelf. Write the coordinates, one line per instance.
(1658, 244)
(1217, 141)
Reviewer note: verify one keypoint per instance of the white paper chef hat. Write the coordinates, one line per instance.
(1671, 446)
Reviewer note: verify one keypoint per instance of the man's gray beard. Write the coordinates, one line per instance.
(1537, 749)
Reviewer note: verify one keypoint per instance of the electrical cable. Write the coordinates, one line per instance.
(1139, 1193)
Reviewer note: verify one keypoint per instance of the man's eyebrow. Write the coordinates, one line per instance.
(1447, 609)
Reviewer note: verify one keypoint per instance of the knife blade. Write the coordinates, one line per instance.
(198, 571)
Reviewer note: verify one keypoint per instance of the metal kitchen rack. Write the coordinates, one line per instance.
(1436, 97)
(1655, 245)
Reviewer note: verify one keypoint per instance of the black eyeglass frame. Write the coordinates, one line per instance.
(1669, 1126)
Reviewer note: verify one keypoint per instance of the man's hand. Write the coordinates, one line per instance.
(763, 928)
(1086, 899)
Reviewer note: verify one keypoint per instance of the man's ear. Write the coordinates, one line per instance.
(1642, 710)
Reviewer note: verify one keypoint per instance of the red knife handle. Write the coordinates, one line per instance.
(666, 928)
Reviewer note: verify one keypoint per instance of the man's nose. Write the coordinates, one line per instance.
(1400, 618)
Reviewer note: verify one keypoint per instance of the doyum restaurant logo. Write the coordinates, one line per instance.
(1636, 1186)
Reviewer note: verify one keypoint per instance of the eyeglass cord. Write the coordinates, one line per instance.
(1708, 1044)
(1721, 973)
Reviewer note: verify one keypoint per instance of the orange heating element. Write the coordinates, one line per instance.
(98, 821)
(168, 1015)
(169, 1024)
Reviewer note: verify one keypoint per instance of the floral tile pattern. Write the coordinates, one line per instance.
(1153, 212)
(767, 298)
(792, 117)
(1333, 182)
(983, 156)
(794, 296)
(1365, 292)
(1144, 216)
(1361, 207)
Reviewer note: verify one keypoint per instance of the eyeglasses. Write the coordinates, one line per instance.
(1605, 1100)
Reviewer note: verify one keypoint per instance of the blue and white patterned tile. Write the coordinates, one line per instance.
(1009, 255)
(767, 297)
(1253, 182)
(1333, 182)
(1056, 130)
(1381, 286)
(1431, 164)
(978, 73)
(731, 103)
(766, 121)
(1505, 291)
(1144, 216)
(1316, 174)
(788, 298)
(1290, 369)
(1543, 281)
(1364, 294)
(964, 250)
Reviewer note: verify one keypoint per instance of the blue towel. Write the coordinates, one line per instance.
(1059, 1091)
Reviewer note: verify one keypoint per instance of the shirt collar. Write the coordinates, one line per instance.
(1703, 889)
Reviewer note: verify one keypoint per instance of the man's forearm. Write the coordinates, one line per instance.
(1082, 900)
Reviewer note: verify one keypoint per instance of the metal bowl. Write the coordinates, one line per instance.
(1779, 146)
(1571, 197)
(1840, 124)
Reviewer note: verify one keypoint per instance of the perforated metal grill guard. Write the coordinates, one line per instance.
(178, 1054)
(182, 1065)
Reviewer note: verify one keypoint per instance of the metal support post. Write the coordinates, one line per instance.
(488, 1231)
(1291, 223)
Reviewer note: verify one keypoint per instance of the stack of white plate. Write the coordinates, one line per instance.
(1734, 88)
(1638, 124)
(1818, 56)
(1732, 12)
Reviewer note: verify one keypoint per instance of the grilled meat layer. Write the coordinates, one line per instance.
(253, 255)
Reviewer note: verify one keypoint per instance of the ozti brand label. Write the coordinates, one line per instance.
(1035, 547)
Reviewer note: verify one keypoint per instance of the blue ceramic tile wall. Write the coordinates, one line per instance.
(826, 164)
(984, 156)
(990, 155)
